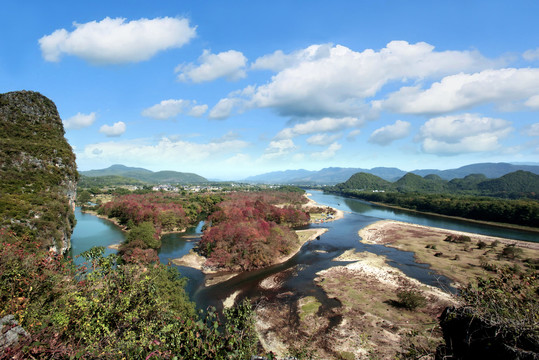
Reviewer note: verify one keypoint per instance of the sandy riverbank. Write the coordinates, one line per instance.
(461, 262)
(339, 214)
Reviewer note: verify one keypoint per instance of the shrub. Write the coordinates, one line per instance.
(411, 299)
(510, 252)
(144, 232)
(481, 244)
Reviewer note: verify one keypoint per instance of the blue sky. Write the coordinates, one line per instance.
(229, 89)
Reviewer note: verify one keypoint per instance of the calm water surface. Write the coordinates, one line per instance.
(297, 274)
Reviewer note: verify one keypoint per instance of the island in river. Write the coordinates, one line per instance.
(196, 261)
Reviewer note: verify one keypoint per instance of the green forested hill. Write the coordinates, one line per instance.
(517, 184)
(512, 198)
(365, 181)
(147, 176)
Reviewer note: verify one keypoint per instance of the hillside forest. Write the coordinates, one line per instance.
(510, 199)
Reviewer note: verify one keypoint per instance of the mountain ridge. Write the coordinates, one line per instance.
(145, 175)
(335, 175)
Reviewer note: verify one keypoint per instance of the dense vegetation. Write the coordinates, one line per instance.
(166, 211)
(248, 232)
(110, 309)
(37, 169)
(511, 198)
(86, 182)
(497, 319)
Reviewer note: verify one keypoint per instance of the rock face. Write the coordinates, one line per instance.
(38, 171)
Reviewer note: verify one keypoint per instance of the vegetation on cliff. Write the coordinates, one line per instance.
(37, 168)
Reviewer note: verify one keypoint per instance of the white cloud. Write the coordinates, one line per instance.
(170, 153)
(462, 91)
(115, 41)
(115, 130)
(279, 60)
(80, 121)
(533, 102)
(352, 135)
(322, 139)
(279, 148)
(531, 55)
(335, 81)
(223, 108)
(326, 124)
(170, 108)
(229, 64)
(465, 133)
(198, 110)
(387, 134)
(533, 130)
(329, 153)
(166, 109)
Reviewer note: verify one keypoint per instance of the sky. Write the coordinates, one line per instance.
(231, 89)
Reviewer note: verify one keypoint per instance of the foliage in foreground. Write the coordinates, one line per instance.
(498, 319)
(110, 309)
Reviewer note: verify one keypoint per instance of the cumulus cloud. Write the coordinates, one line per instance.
(80, 121)
(465, 133)
(279, 60)
(531, 55)
(223, 108)
(170, 108)
(334, 81)
(329, 153)
(170, 152)
(115, 41)
(326, 124)
(198, 110)
(462, 91)
(533, 130)
(387, 134)
(115, 130)
(228, 64)
(323, 139)
(533, 102)
(279, 148)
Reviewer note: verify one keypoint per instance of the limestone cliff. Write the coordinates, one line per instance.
(37, 171)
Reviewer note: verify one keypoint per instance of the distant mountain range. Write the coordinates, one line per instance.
(147, 176)
(335, 175)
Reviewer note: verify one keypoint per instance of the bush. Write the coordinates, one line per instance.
(411, 299)
(511, 252)
(145, 232)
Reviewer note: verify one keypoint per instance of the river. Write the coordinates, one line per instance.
(296, 275)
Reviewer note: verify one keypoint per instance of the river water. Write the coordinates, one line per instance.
(296, 275)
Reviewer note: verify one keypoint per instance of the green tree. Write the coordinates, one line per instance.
(146, 233)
